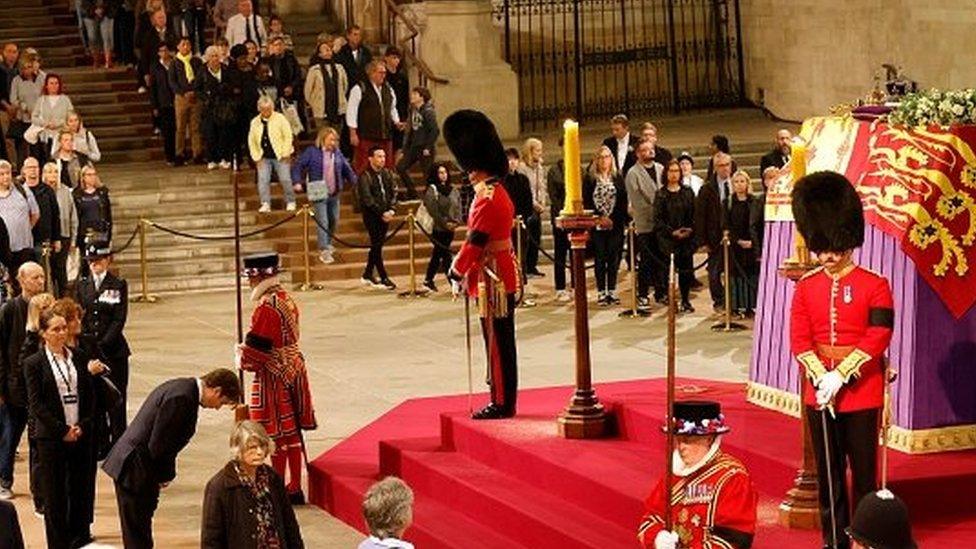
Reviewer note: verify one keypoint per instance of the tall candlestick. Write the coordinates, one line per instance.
(571, 164)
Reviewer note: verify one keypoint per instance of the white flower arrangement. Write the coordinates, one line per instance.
(935, 107)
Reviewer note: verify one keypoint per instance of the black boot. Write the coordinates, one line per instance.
(493, 411)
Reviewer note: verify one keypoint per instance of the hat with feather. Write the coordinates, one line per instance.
(828, 212)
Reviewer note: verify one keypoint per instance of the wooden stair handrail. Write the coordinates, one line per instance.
(409, 53)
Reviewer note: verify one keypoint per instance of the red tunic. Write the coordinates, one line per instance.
(489, 239)
(843, 323)
(280, 397)
(713, 507)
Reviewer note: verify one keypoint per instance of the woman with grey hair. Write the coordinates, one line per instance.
(245, 504)
(388, 511)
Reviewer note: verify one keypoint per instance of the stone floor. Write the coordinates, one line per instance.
(367, 351)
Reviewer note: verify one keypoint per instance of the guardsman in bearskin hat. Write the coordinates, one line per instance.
(713, 499)
(104, 298)
(881, 522)
(281, 399)
(486, 262)
(840, 326)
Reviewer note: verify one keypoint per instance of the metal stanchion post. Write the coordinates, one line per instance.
(144, 296)
(307, 285)
(411, 239)
(727, 325)
(633, 312)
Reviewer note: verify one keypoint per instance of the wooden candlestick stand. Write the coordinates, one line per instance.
(584, 417)
(801, 508)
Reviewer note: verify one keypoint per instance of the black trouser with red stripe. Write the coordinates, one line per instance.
(503, 365)
(852, 437)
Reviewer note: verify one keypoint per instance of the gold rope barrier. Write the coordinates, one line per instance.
(412, 241)
(144, 296)
(308, 285)
(633, 312)
(727, 325)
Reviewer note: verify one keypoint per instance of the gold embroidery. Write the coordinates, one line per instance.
(851, 366)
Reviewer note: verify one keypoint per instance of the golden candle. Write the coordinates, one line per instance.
(571, 165)
(798, 160)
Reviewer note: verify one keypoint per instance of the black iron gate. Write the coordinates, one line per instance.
(590, 59)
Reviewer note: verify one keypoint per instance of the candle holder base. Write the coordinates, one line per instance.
(801, 508)
(584, 418)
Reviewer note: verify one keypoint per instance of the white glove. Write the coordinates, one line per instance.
(456, 289)
(238, 353)
(666, 540)
(829, 386)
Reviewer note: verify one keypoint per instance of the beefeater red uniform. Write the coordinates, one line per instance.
(713, 507)
(489, 245)
(843, 322)
(281, 400)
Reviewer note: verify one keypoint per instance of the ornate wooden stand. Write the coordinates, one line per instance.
(801, 507)
(584, 417)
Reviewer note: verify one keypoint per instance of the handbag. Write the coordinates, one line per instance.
(316, 190)
(290, 110)
(424, 219)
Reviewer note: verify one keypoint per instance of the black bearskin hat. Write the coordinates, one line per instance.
(828, 212)
(475, 144)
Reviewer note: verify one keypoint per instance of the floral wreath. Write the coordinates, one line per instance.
(715, 426)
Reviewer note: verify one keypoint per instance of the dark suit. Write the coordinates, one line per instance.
(106, 310)
(64, 468)
(774, 158)
(145, 456)
(710, 214)
(10, 536)
(630, 160)
(13, 390)
(356, 70)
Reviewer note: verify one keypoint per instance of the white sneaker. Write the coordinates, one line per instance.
(6, 493)
(291, 206)
(325, 256)
(265, 208)
(562, 296)
(211, 165)
(224, 165)
(363, 281)
(142, 89)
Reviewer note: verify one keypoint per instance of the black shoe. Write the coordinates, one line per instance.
(388, 283)
(493, 411)
(429, 284)
(686, 307)
(661, 300)
(199, 160)
(296, 498)
(82, 540)
(643, 303)
(535, 274)
(179, 162)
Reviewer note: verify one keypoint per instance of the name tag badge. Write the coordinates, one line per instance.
(70, 398)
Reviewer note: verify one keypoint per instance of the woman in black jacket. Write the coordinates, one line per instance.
(93, 205)
(674, 217)
(604, 193)
(61, 406)
(443, 203)
(245, 505)
(740, 218)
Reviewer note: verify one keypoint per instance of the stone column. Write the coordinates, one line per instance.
(460, 43)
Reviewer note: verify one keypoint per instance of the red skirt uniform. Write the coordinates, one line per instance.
(280, 397)
(713, 507)
(845, 323)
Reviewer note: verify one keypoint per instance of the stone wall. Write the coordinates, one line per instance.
(811, 54)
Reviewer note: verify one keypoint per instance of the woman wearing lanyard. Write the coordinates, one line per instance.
(60, 404)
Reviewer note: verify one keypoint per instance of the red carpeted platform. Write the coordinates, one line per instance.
(515, 483)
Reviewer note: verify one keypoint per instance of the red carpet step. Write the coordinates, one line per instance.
(515, 483)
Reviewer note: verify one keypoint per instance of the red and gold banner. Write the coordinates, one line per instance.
(918, 185)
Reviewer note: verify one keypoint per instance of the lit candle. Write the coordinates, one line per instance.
(571, 165)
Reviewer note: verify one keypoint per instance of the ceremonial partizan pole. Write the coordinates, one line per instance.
(669, 414)
(241, 413)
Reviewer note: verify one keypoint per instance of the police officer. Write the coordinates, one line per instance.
(105, 299)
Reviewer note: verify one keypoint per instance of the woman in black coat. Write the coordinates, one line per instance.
(60, 410)
(740, 219)
(604, 193)
(674, 217)
(245, 504)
